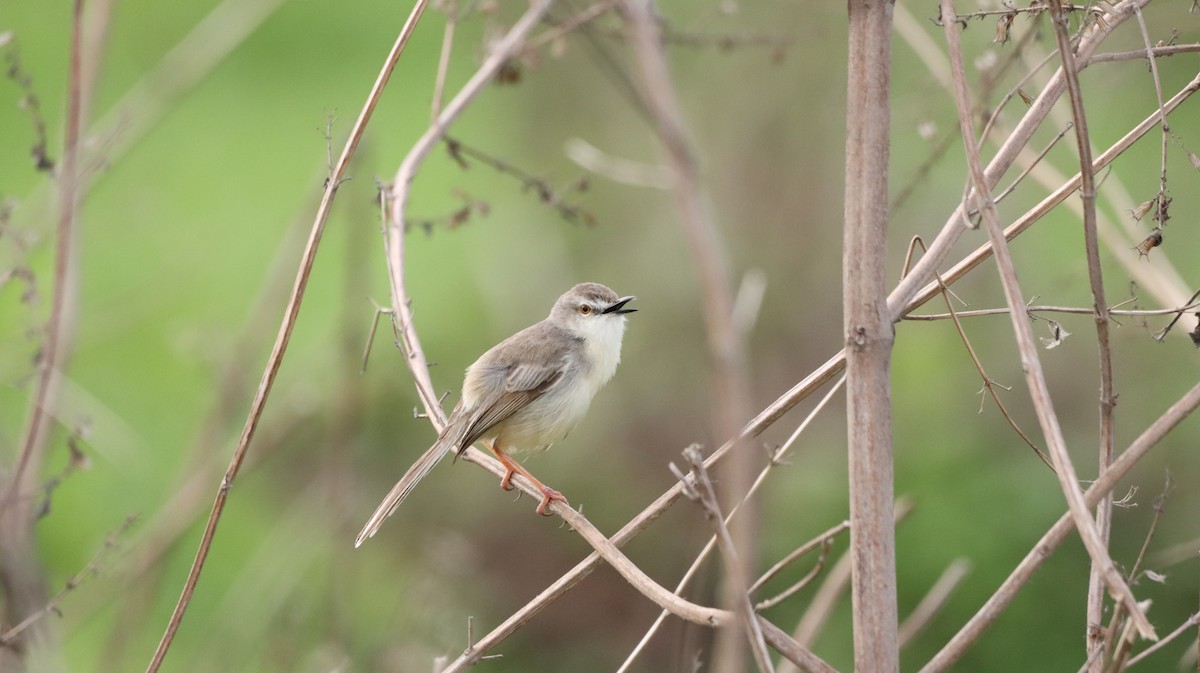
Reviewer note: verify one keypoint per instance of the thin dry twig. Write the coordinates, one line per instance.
(92, 567)
(439, 82)
(787, 593)
(1103, 572)
(1162, 642)
(988, 384)
(1110, 651)
(830, 592)
(823, 540)
(20, 573)
(284, 336)
(61, 319)
(1169, 50)
(569, 25)
(700, 489)
(1034, 309)
(1163, 127)
(1162, 334)
(545, 191)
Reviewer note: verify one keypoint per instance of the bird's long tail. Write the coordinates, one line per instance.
(400, 491)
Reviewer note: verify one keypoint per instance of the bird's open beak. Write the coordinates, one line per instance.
(619, 306)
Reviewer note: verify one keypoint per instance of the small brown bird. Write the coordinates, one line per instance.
(528, 391)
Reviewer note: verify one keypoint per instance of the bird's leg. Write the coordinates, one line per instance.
(510, 465)
(513, 467)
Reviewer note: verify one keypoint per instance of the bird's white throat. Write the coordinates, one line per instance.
(602, 342)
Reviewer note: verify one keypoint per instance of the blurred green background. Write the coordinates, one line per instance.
(190, 235)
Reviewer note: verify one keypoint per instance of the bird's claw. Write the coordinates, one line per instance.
(549, 494)
(506, 482)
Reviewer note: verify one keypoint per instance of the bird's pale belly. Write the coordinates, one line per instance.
(545, 421)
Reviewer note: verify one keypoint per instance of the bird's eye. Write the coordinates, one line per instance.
(585, 309)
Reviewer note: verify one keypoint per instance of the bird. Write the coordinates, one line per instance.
(528, 391)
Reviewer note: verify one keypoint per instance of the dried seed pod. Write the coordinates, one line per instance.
(1139, 211)
(1152, 241)
(1002, 25)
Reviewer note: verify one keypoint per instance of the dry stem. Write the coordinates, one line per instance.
(1108, 400)
(283, 337)
(868, 334)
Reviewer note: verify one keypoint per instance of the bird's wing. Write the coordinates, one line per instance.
(523, 383)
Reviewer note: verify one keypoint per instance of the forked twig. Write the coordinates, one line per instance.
(712, 541)
(830, 592)
(701, 490)
(787, 593)
(988, 383)
(823, 540)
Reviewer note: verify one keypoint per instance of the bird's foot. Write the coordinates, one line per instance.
(506, 482)
(549, 494)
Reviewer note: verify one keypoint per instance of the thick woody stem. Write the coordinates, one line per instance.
(869, 336)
